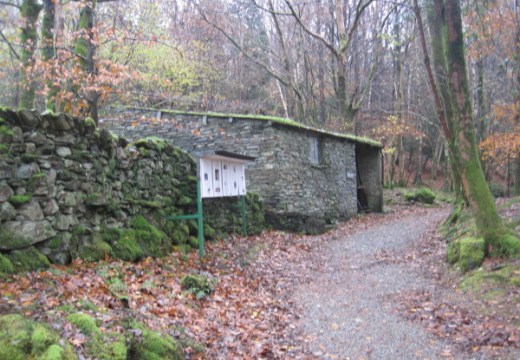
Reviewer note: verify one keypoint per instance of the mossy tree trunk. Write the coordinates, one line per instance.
(465, 153)
(516, 188)
(48, 51)
(30, 10)
(85, 51)
(437, 25)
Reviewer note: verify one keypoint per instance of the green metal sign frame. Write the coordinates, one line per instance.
(199, 216)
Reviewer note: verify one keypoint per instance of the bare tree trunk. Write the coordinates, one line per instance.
(48, 52)
(85, 51)
(30, 10)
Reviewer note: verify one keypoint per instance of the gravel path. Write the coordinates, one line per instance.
(348, 312)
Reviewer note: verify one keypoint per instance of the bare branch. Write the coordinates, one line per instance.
(10, 45)
(241, 49)
(310, 32)
(6, 3)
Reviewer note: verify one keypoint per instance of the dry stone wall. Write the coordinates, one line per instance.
(70, 189)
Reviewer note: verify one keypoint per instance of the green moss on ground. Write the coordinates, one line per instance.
(154, 346)
(199, 285)
(508, 246)
(85, 323)
(29, 259)
(422, 195)
(25, 339)
(99, 345)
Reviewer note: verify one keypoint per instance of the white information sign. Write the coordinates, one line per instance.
(222, 176)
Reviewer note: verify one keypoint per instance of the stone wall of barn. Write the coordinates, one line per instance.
(300, 190)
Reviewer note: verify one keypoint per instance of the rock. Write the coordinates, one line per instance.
(29, 259)
(20, 191)
(66, 140)
(57, 249)
(31, 211)
(5, 191)
(6, 171)
(26, 171)
(64, 222)
(51, 207)
(7, 212)
(68, 199)
(120, 154)
(30, 148)
(30, 119)
(62, 122)
(21, 234)
(37, 138)
(63, 151)
(18, 134)
(44, 164)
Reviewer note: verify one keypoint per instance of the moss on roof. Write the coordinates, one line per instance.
(276, 120)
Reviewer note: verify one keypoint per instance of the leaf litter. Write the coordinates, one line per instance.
(249, 314)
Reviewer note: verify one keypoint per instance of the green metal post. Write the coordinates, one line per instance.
(200, 220)
(244, 215)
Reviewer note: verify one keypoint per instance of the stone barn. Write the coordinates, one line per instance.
(306, 177)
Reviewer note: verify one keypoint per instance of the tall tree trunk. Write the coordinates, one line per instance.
(30, 10)
(48, 51)
(437, 25)
(467, 159)
(481, 111)
(322, 111)
(85, 51)
(516, 187)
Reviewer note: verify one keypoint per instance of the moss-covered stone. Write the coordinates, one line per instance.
(99, 250)
(99, 345)
(151, 142)
(453, 252)
(85, 323)
(6, 132)
(6, 267)
(18, 200)
(198, 284)
(193, 242)
(42, 338)
(154, 346)
(89, 122)
(179, 237)
(422, 195)
(152, 241)
(185, 200)
(126, 246)
(29, 259)
(472, 253)
(25, 339)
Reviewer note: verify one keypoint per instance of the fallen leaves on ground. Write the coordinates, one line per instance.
(249, 314)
